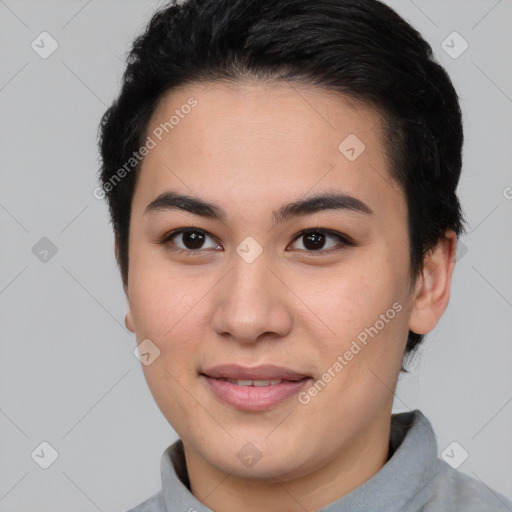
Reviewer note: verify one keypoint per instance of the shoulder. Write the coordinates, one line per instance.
(456, 491)
(153, 504)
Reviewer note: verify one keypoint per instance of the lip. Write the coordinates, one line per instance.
(261, 372)
(253, 398)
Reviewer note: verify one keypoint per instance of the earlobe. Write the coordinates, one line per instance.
(128, 321)
(432, 292)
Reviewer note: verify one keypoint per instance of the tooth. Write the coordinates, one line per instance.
(263, 383)
(258, 383)
(244, 382)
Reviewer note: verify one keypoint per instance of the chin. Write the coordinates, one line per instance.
(243, 459)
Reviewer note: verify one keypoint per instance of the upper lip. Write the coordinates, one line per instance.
(262, 372)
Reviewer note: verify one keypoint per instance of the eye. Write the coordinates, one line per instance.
(192, 241)
(315, 240)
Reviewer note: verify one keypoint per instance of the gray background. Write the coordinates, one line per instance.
(68, 375)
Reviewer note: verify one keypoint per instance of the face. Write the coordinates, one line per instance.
(280, 331)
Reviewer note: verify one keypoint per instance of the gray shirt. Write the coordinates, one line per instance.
(414, 479)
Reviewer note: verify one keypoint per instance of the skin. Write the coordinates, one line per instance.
(250, 147)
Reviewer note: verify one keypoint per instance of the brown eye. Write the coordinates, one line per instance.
(316, 240)
(196, 241)
(189, 240)
(193, 239)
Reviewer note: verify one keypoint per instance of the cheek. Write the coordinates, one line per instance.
(166, 382)
(160, 298)
(167, 314)
(367, 311)
(349, 301)
(151, 306)
(167, 309)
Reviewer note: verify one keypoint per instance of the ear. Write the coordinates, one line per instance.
(128, 320)
(432, 290)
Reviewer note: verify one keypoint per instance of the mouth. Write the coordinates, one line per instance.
(259, 373)
(253, 388)
(256, 383)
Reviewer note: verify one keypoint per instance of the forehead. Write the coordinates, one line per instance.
(251, 142)
(280, 115)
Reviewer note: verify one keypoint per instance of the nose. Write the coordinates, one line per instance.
(251, 303)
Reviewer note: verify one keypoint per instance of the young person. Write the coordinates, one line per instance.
(281, 177)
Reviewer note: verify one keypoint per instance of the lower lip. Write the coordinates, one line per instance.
(254, 398)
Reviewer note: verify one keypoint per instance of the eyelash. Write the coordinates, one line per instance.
(343, 239)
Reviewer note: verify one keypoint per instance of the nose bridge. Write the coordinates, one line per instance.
(250, 281)
(250, 302)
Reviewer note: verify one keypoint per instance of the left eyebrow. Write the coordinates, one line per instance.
(328, 201)
(314, 204)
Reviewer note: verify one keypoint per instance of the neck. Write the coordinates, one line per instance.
(345, 471)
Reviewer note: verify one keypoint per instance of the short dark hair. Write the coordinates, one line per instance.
(360, 48)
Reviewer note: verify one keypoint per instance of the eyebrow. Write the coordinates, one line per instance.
(328, 201)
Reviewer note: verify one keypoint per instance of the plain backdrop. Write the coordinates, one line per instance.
(68, 376)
